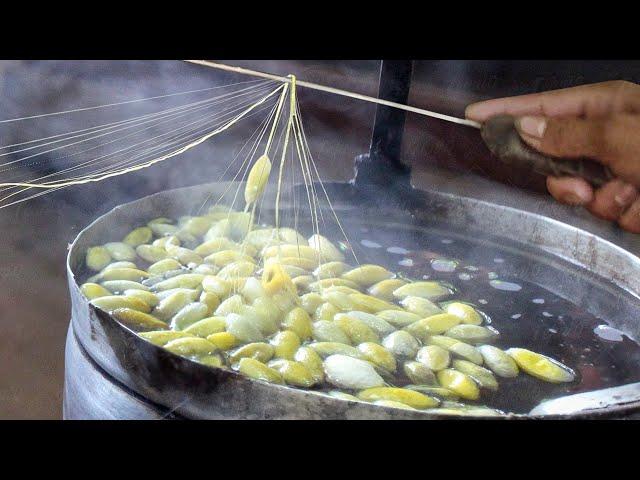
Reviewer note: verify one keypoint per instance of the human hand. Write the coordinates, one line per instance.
(599, 121)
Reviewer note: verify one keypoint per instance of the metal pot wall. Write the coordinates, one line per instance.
(113, 373)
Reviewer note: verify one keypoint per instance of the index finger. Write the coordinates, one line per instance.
(589, 101)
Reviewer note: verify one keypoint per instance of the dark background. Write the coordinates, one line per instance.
(34, 309)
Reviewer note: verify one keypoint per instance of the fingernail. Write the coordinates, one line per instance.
(572, 199)
(576, 198)
(532, 126)
(626, 196)
(470, 111)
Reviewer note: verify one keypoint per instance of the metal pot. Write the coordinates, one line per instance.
(568, 261)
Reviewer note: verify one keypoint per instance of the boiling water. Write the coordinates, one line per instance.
(527, 315)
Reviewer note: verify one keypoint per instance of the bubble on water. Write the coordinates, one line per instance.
(492, 275)
(446, 241)
(553, 330)
(444, 265)
(398, 250)
(425, 277)
(539, 301)
(406, 262)
(606, 332)
(516, 316)
(464, 276)
(482, 301)
(370, 244)
(498, 260)
(505, 286)
(547, 314)
(471, 268)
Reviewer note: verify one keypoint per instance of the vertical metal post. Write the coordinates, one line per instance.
(388, 127)
(383, 159)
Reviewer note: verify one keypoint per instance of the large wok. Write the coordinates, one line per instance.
(597, 275)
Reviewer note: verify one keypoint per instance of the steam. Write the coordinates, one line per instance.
(336, 129)
(30, 88)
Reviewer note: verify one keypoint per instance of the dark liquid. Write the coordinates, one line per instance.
(526, 315)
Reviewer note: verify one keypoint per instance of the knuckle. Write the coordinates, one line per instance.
(604, 211)
(625, 84)
(630, 219)
(620, 86)
(629, 223)
(623, 94)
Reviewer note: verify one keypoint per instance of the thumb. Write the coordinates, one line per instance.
(613, 141)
